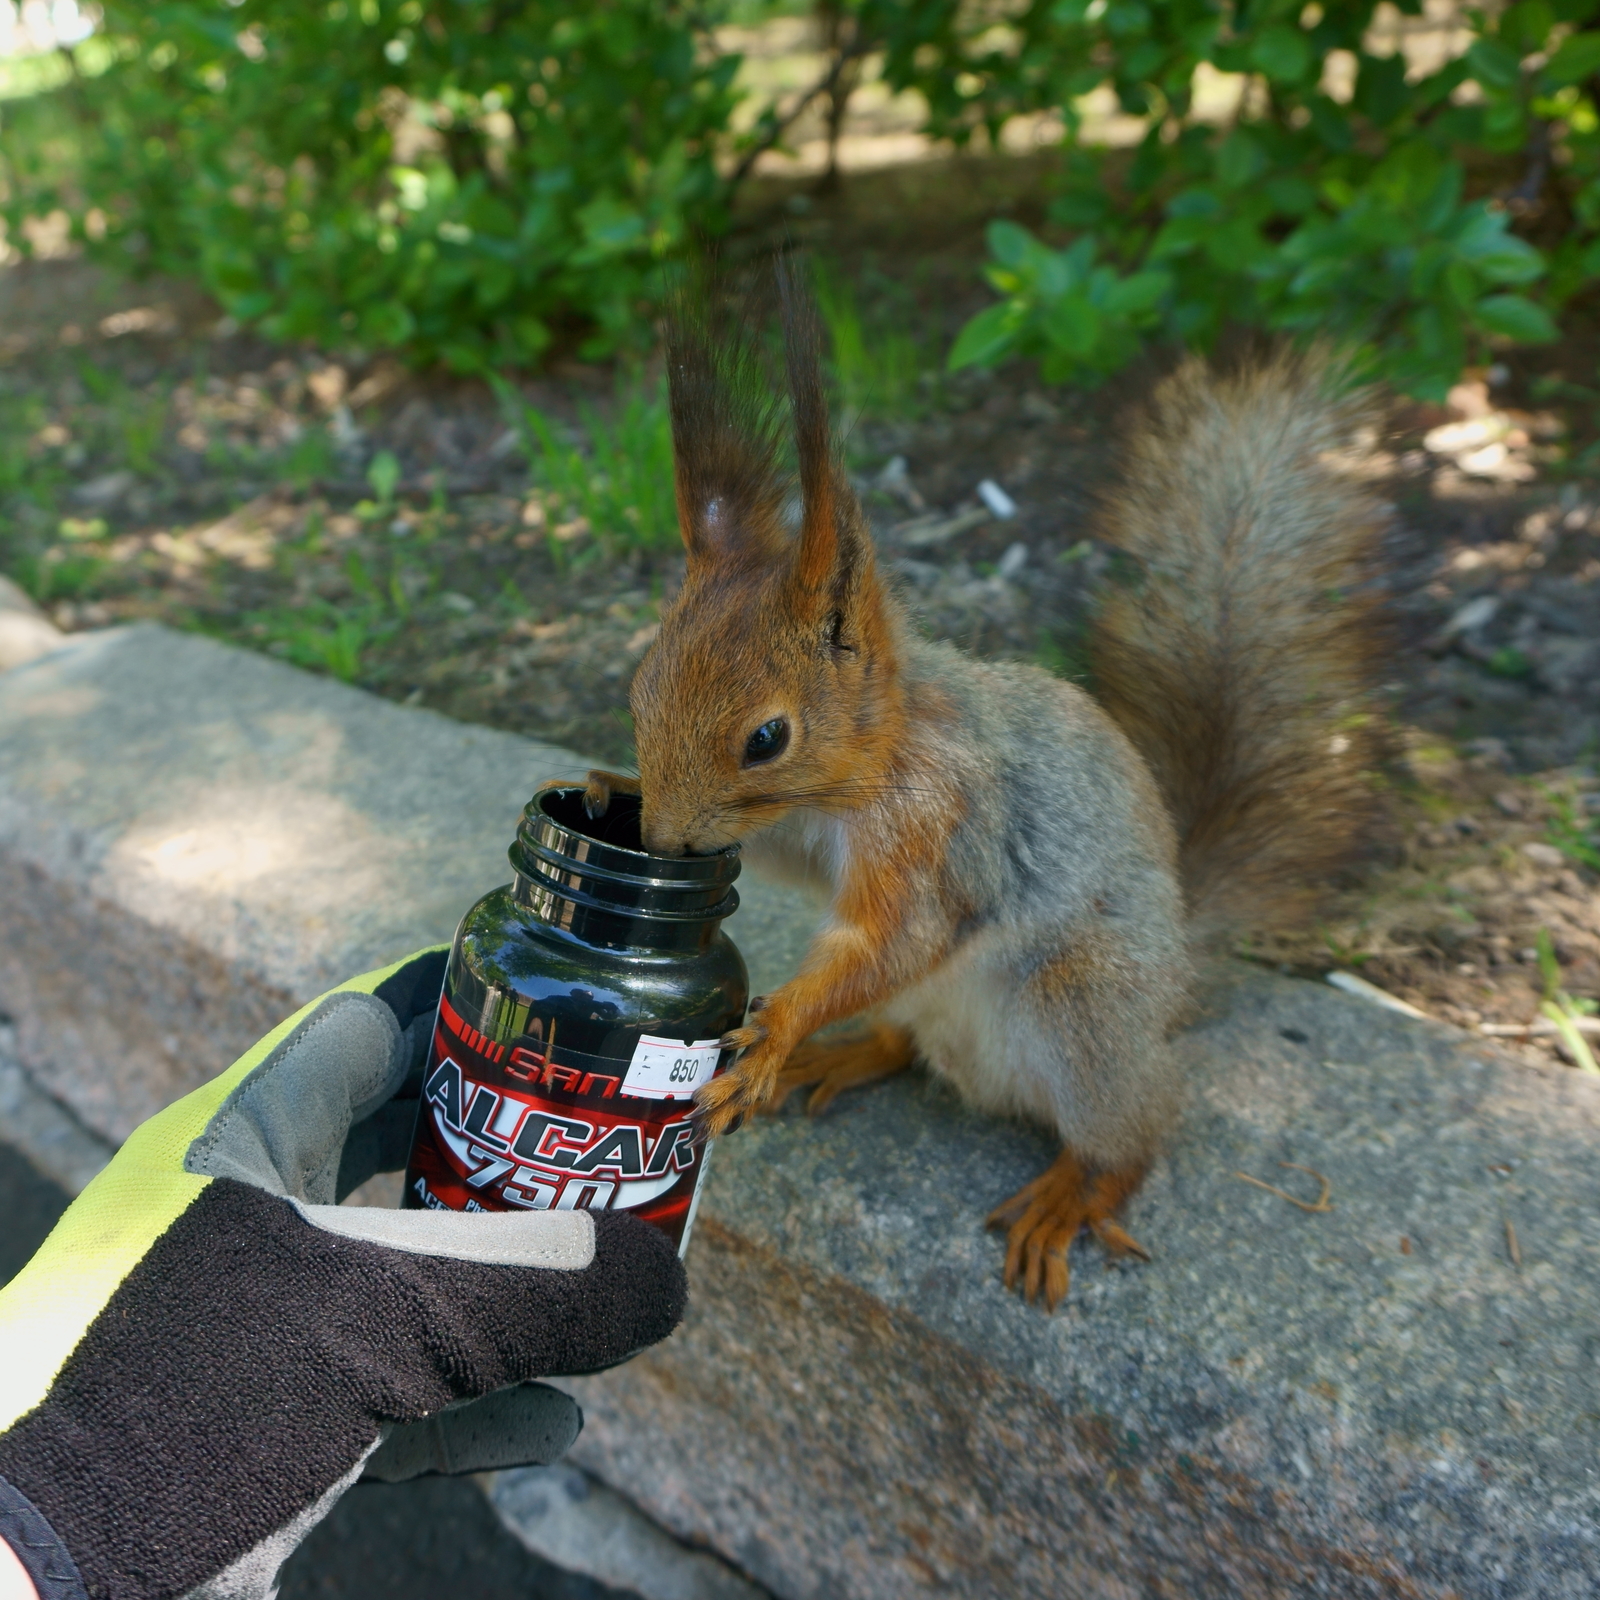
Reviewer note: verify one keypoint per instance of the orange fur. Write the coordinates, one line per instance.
(827, 1069)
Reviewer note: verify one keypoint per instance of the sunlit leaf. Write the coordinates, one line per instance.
(1516, 317)
(985, 339)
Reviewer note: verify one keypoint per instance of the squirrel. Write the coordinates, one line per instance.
(1024, 879)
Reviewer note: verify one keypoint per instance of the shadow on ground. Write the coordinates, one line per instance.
(405, 1541)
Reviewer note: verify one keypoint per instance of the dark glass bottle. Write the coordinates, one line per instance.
(581, 1010)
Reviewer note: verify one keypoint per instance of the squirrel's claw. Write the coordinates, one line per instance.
(599, 788)
(1043, 1218)
(751, 1034)
(723, 1105)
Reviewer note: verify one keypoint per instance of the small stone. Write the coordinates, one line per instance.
(104, 492)
(895, 479)
(997, 500)
(1013, 561)
(1508, 804)
(1544, 855)
(1473, 615)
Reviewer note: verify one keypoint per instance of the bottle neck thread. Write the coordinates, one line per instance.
(592, 878)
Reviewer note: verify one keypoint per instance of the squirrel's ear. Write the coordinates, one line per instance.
(726, 431)
(834, 551)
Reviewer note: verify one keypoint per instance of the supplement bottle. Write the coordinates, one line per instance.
(581, 1010)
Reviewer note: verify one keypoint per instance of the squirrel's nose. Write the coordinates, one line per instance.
(659, 844)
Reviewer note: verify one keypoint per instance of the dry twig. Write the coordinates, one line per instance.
(1305, 1205)
(1512, 1246)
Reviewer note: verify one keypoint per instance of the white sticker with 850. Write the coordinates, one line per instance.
(669, 1069)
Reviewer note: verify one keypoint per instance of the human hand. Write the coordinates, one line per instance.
(208, 1351)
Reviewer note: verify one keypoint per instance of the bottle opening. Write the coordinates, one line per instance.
(600, 862)
(618, 827)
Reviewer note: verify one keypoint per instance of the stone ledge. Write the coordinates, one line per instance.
(25, 632)
(195, 839)
(1374, 1400)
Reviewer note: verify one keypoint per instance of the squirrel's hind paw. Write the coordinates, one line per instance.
(842, 1064)
(1043, 1218)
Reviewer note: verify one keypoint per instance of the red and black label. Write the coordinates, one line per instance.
(534, 1124)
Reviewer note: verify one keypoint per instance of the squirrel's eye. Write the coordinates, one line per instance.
(769, 740)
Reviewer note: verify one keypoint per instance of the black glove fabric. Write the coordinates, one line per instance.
(208, 1351)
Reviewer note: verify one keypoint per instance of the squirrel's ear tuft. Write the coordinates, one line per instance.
(833, 551)
(726, 432)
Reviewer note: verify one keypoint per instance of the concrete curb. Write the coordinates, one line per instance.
(1373, 1400)
(25, 632)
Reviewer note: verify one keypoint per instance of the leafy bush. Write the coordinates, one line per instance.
(1350, 210)
(450, 177)
(455, 178)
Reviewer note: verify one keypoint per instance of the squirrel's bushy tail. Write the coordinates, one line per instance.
(1241, 663)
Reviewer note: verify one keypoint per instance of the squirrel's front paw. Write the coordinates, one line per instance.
(600, 787)
(724, 1103)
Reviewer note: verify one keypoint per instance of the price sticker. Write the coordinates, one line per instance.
(669, 1069)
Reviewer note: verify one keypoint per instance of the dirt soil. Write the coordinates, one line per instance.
(157, 463)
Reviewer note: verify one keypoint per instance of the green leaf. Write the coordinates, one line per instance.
(1008, 243)
(1138, 294)
(1577, 59)
(1240, 160)
(1442, 200)
(610, 228)
(384, 475)
(987, 338)
(1330, 123)
(1194, 203)
(1081, 208)
(1527, 24)
(1517, 318)
(387, 324)
(1496, 66)
(1513, 261)
(1072, 325)
(1381, 91)
(1509, 662)
(1290, 195)
(1282, 52)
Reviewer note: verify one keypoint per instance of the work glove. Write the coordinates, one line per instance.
(208, 1351)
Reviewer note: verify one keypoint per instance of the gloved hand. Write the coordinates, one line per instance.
(207, 1351)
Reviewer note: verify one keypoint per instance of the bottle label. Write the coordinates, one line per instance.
(533, 1124)
(669, 1069)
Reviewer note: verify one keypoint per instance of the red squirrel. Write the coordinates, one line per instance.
(1022, 877)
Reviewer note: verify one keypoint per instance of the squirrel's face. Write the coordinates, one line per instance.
(772, 683)
(758, 697)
